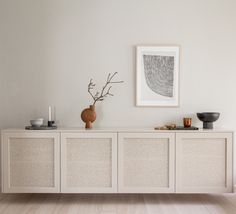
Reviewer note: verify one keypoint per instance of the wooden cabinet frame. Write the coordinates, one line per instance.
(65, 188)
(171, 161)
(6, 186)
(180, 188)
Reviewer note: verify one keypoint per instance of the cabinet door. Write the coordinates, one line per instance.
(204, 162)
(146, 162)
(30, 162)
(88, 162)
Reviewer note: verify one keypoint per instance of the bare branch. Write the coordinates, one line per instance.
(90, 87)
(100, 96)
(117, 82)
(108, 77)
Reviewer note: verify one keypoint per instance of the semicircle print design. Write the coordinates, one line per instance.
(159, 73)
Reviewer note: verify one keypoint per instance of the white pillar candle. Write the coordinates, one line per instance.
(49, 113)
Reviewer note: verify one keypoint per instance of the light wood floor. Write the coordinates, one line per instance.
(117, 204)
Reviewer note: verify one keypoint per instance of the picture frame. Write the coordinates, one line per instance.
(157, 76)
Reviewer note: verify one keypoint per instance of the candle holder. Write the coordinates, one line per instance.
(50, 123)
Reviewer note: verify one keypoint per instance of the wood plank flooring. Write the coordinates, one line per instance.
(117, 204)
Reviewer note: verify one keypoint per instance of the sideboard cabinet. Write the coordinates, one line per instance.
(116, 161)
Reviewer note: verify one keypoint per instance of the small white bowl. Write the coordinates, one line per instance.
(36, 122)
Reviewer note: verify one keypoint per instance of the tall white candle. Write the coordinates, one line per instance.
(49, 113)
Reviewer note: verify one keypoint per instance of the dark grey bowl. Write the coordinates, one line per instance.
(208, 118)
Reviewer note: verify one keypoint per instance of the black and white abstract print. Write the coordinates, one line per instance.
(159, 73)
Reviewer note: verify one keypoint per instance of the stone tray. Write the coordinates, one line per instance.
(184, 128)
(40, 127)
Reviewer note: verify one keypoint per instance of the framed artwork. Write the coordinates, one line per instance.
(157, 76)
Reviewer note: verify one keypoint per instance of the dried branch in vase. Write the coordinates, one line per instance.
(100, 96)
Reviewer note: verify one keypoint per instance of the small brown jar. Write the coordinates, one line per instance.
(187, 122)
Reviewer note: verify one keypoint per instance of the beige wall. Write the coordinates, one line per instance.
(50, 48)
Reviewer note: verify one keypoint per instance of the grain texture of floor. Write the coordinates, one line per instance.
(117, 204)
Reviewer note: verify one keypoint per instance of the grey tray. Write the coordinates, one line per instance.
(40, 127)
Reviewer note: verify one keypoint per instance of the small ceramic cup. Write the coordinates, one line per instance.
(36, 122)
(187, 122)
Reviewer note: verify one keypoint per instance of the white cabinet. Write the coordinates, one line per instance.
(30, 162)
(111, 161)
(204, 162)
(88, 162)
(146, 162)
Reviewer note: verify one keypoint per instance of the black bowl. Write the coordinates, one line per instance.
(208, 118)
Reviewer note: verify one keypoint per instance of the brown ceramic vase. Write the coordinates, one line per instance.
(88, 115)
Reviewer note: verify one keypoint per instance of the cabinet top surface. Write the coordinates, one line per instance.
(117, 129)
